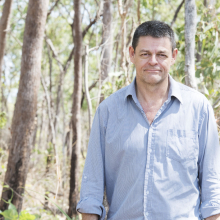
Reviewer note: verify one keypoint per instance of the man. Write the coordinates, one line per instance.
(154, 144)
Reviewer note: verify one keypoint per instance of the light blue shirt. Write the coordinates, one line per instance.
(169, 170)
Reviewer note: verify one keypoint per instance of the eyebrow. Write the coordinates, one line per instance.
(160, 51)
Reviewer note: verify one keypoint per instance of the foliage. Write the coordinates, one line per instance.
(12, 214)
(3, 119)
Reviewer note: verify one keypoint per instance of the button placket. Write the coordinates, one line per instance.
(148, 172)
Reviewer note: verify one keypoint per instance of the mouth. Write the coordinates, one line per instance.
(152, 71)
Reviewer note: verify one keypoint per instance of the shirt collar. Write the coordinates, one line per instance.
(174, 90)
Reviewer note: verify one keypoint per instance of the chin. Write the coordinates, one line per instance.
(153, 80)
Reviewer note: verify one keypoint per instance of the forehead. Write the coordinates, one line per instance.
(153, 43)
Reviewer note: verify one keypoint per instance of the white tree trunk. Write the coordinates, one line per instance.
(190, 31)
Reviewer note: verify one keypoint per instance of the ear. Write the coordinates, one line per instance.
(174, 56)
(131, 54)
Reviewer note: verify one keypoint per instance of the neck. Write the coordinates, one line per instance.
(152, 94)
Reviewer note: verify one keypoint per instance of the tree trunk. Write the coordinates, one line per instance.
(107, 41)
(76, 123)
(190, 31)
(26, 104)
(4, 24)
(138, 11)
(123, 10)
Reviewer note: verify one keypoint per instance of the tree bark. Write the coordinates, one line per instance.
(26, 104)
(190, 31)
(76, 123)
(4, 24)
(107, 41)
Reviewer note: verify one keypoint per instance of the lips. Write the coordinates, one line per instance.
(154, 70)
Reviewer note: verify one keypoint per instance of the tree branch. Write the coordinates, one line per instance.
(51, 9)
(98, 15)
(176, 13)
(55, 55)
(216, 102)
(90, 88)
(66, 66)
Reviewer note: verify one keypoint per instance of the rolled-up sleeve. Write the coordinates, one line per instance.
(92, 186)
(209, 164)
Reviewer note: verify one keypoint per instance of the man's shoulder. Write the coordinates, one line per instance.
(115, 98)
(113, 106)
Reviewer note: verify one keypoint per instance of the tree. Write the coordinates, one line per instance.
(75, 122)
(190, 31)
(107, 41)
(123, 10)
(26, 104)
(4, 24)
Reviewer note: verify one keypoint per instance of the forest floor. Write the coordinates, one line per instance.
(38, 183)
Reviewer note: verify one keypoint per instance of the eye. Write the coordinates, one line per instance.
(162, 55)
(144, 54)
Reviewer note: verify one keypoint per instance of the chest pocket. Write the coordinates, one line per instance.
(181, 145)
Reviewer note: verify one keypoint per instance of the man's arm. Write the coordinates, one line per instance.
(93, 183)
(209, 165)
(93, 217)
(214, 217)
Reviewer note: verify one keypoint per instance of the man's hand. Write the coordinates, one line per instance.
(214, 217)
(89, 216)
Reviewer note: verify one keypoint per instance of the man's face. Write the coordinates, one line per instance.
(152, 58)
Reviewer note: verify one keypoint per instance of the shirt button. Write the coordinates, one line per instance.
(147, 192)
(146, 213)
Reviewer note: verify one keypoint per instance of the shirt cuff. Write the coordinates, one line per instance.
(210, 208)
(91, 206)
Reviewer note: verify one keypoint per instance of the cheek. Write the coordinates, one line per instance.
(166, 65)
(142, 64)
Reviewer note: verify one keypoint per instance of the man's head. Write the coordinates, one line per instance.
(156, 29)
(153, 52)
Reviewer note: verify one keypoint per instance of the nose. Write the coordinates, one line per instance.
(153, 60)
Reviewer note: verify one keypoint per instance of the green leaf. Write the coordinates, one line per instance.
(208, 27)
(198, 73)
(12, 207)
(24, 215)
(10, 214)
